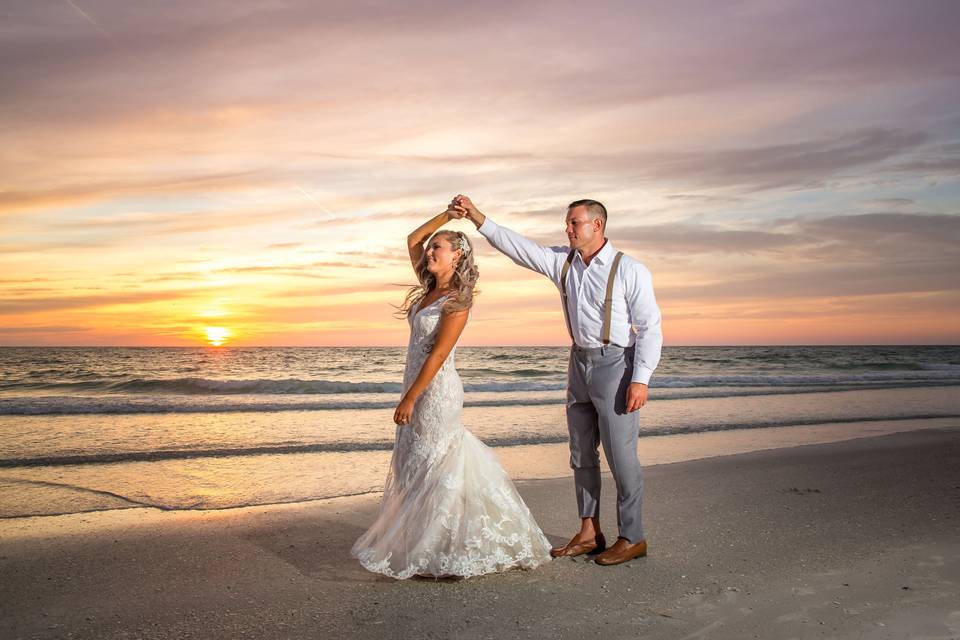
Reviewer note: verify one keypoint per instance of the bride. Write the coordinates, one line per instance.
(448, 508)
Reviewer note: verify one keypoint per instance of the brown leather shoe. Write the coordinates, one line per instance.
(572, 549)
(622, 551)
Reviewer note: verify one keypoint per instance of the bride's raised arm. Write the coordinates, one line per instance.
(422, 233)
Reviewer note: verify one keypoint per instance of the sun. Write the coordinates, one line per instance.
(217, 335)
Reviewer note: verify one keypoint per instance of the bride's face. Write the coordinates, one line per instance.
(441, 256)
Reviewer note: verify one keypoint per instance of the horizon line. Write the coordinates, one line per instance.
(497, 346)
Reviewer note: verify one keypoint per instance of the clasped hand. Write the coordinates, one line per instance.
(459, 207)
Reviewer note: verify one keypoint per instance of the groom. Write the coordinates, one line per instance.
(614, 324)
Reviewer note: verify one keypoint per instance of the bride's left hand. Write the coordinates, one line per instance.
(404, 410)
(455, 212)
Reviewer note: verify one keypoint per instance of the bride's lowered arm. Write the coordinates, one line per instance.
(451, 326)
(422, 233)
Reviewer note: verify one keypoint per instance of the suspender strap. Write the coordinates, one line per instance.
(563, 291)
(608, 301)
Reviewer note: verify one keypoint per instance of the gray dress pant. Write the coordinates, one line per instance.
(596, 413)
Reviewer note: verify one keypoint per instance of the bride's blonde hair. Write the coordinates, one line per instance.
(463, 283)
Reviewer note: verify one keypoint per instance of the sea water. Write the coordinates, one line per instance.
(85, 429)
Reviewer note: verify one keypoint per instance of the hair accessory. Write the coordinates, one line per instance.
(463, 244)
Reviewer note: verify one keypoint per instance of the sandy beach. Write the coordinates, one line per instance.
(849, 539)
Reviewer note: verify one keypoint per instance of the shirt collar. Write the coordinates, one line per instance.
(604, 256)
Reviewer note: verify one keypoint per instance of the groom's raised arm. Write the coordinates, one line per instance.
(522, 250)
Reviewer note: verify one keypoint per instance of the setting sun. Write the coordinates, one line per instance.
(217, 335)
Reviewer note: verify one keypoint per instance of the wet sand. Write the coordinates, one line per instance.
(851, 539)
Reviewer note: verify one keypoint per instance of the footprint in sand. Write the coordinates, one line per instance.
(937, 561)
(793, 616)
(953, 622)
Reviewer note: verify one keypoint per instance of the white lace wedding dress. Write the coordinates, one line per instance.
(448, 507)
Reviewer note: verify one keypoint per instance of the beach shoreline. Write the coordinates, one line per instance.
(523, 463)
(850, 538)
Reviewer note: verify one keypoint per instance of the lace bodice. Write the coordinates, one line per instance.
(424, 323)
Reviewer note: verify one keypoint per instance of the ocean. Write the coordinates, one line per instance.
(93, 428)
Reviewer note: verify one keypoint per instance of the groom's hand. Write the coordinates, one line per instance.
(466, 204)
(636, 396)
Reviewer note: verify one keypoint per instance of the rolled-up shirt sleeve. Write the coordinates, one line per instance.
(644, 322)
(523, 251)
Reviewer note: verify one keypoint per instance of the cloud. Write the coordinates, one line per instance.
(298, 270)
(126, 229)
(844, 237)
(230, 99)
(851, 255)
(815, 282)
(782, 165)
(22, 290)
(890, 202)
(43, 329)
(702, 198)
(804, 164)
(774, 166)
(933, 239)
(879, 306)
(936, 166)
(307, 270)
(345, 290)
(698, 238)
(60, 303)
(941, 159)
(655, 52)
(790, 258)
(935, 229)
(16, 201)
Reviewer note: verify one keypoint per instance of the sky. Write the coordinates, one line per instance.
(183, 173)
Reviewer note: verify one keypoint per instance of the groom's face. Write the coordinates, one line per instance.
(581, 229)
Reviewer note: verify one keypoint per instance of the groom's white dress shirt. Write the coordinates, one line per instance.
(635, 316)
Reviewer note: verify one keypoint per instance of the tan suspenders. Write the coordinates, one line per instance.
(563, 291)
(607, 301)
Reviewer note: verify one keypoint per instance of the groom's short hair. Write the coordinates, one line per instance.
(594, 208)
